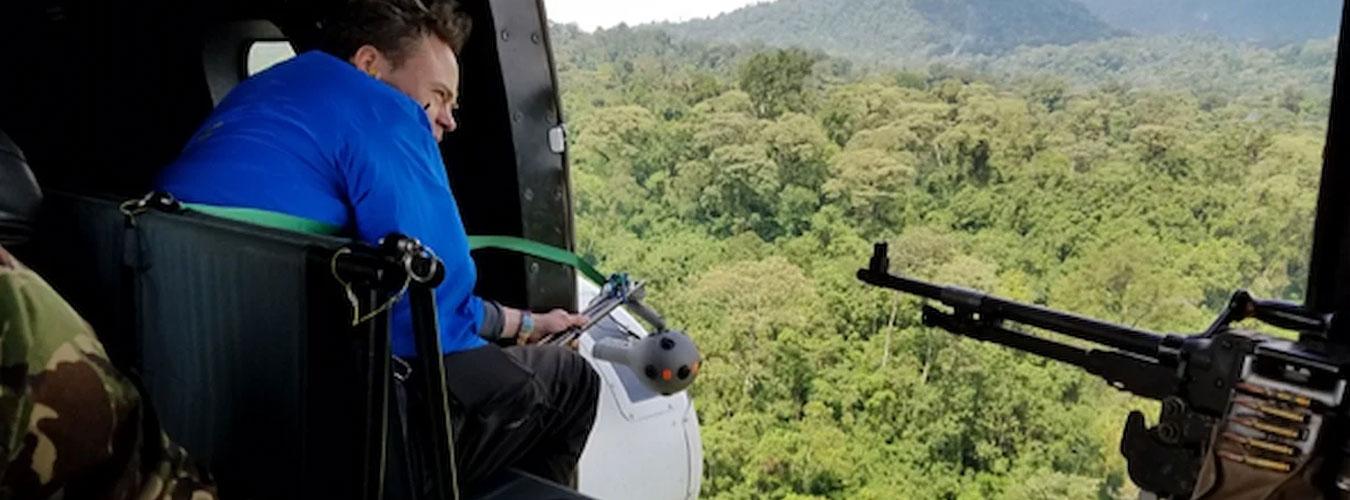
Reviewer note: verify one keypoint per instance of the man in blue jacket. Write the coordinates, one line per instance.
(345, 139)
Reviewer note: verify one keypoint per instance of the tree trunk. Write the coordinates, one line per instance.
(890, 327)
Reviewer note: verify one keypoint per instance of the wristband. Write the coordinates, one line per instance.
(526, 325)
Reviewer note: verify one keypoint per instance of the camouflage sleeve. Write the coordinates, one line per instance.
(70, 424)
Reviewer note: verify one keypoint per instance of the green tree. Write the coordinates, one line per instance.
(776, 81)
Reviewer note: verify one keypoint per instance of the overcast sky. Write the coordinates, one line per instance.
(591, 14)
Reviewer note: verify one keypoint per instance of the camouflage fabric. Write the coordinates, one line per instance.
(72, 426)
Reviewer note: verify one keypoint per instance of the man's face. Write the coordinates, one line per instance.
(430, 75)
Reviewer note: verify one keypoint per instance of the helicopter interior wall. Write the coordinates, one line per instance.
(101, 94)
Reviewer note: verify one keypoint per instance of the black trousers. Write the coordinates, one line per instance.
(528, 407)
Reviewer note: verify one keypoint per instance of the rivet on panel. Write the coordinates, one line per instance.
(534, 37)
(506, 35)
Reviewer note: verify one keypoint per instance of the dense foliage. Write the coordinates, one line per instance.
(748, 184)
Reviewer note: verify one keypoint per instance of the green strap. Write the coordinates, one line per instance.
(538, 250)
(303, 225)
(266, 218)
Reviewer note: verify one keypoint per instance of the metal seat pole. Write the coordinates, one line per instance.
(377, 360)
(427, 272)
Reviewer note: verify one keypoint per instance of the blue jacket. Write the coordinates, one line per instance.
(315, 138)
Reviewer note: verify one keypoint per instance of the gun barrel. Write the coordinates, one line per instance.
(1139, 375)
(1121, 337)
(1109, 334)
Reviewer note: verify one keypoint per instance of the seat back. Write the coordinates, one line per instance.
(238, 334)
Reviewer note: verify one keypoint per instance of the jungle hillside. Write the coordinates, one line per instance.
(744, 165)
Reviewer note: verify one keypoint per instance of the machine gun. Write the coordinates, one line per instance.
(1244, 415)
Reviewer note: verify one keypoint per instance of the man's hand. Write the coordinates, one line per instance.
(553, 322)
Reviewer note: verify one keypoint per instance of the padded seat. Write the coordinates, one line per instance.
(240, 336)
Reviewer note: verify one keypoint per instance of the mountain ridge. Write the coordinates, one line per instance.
(918, 29)
(1268, 22)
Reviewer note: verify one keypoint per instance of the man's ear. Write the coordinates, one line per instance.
(369, 60)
